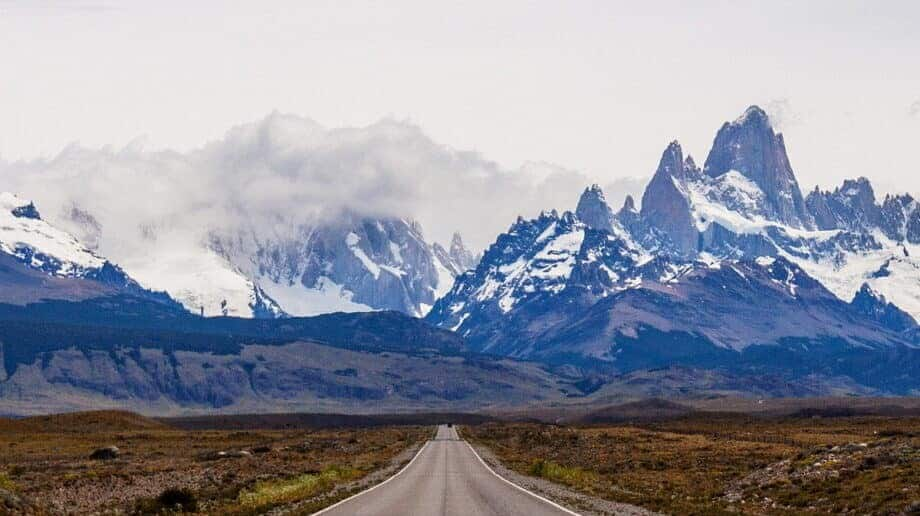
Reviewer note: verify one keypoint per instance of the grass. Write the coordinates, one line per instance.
(267, 495)
(571, 476)
(6, 483)
(47, 461)
(725, 465)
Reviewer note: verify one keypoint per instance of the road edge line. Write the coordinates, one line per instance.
(512, 484)
(375, 486)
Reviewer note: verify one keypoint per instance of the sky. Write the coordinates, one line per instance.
(595, 89)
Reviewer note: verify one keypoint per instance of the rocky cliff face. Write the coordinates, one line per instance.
(593, 210)
(851, 206)
(336, 362)
(900, 218)
(874, 305)
(666, 204)
(749, 145)
(460, 255)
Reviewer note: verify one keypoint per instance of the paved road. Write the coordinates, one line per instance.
(446, 478)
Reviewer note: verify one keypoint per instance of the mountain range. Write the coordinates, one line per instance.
(725, 278)
(727, 266)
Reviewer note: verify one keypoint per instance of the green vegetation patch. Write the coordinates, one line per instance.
(6, 483)
(572, 476)
(268, 494)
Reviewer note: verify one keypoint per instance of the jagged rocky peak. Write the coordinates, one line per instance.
(460, 254)
(850, 206)
(593, 209)
(750, 146)
(900, 218)
(665, 206)
(673, 164)
(26, 211)
(18, 207)
(629, 206)
(874, 305)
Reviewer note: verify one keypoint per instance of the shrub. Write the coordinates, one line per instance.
(170, 500)
(178, 498)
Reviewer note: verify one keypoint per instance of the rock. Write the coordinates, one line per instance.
(593, 209)
(875, 306)
(28, 211)
(851, 206)
(107, 453)
(665, 206)
(750, 146)
(226, 454)
(460, 254)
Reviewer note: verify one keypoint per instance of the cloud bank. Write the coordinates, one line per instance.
(272, 176)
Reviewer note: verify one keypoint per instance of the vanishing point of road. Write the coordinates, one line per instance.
(446, 478)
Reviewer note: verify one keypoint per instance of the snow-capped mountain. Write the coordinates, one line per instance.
(40, 245)
(558, 290)
(746, 203)
(750, 147)
(728, 266)
(202, 280)
(347, 263)
(31, 241)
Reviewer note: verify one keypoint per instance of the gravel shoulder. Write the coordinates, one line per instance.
(343, 491)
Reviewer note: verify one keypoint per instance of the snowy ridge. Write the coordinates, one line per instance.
(40, 245)
(540, 259)
(345, 263)
(203, 282)
(843, 238)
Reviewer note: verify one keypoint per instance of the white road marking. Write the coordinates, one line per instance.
(368, 490)
(512, 484)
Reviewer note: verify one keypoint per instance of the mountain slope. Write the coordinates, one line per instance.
(39, 261)
(554, 290)
(124, 351)
(345, 263)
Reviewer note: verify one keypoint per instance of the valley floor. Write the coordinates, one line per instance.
(688, 464)
(725, 464)
(45, 466)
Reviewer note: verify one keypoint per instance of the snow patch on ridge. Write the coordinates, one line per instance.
(298, 300)
(35, 240)
(352, 240)
(196, 278)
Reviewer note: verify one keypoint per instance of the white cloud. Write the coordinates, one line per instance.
(914, 110)
(782, 115)
(284, 170)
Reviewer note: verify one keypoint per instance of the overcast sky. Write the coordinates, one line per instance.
(598, 87)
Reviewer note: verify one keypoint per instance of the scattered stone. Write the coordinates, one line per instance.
(227, 454)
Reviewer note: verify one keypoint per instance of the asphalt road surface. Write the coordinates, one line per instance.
(446, 478)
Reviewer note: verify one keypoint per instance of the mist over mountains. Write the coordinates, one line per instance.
(726, 269)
